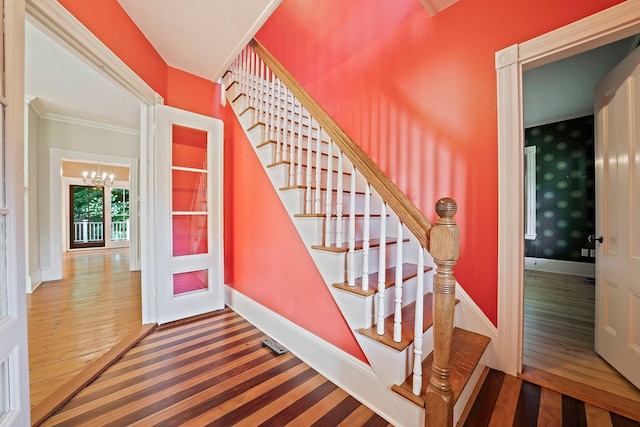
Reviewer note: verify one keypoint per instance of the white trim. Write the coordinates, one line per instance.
(559, 266)
(560, 119)
(89, 123)
(36, 278)
(55, 20)
(350, 374)
(617, 22)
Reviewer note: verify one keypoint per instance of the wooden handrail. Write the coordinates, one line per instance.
(408, 213)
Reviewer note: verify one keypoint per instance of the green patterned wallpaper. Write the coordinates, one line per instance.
(565, 209)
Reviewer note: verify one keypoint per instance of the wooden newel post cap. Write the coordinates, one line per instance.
(446, 208)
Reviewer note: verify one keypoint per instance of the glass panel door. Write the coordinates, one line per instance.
(188, 242)
(86, 216)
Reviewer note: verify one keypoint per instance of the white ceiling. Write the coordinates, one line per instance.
(201, 37)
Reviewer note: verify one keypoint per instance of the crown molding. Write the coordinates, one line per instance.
(35, 105)
(88, 123)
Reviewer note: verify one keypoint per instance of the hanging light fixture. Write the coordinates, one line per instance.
(98, 179)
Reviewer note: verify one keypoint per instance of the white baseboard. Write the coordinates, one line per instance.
(347, 372)
(34, 280)
(563, 267)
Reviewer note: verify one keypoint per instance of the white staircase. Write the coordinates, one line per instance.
(352, 235)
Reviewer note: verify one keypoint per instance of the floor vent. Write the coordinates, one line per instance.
(274, 346)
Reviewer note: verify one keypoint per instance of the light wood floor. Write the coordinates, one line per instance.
(74, 321)
(558, 332)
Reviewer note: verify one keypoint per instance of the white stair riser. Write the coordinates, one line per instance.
(356, 309)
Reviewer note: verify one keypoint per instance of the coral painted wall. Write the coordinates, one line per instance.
(265, 259)
(418, 94)
(193, 93)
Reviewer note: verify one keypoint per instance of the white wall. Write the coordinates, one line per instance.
(564, 89)
(79, 138)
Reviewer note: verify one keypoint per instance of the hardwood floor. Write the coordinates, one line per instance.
(74, 321)
(213, 371)
(216, 371)
(559, 331)
(503, 400)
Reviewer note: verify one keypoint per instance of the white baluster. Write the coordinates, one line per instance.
(318, 202)
(259, 91)
(397, 315)
(262, 92)
(250, 93)
(308, 205)
(329, 190)
(277, 126)
(292, 144)
(418, 327)
(268, 105)
(339, 202)
(244, 87)
(351, 257)
(382, 267)
(365, 237)
(299, 180)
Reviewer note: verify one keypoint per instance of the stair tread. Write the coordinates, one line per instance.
(359, 244)
(320, 215)
(323, 169)
(466, 351)
(313, 187)
(409, 271)
(408, 322)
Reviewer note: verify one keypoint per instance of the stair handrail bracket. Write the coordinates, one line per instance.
(445, 249)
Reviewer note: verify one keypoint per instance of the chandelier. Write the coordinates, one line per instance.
(97, 179)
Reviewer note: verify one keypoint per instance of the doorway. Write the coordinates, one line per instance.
(615, 23)
(86, 217)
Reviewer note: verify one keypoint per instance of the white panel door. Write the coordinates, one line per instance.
(617, 323)
(188, 214)
(14, 359)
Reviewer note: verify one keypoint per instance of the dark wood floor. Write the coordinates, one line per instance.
(215, 371)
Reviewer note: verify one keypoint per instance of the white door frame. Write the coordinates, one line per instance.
(615, 23)
(54, 19)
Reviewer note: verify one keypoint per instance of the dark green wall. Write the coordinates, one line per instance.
(565, 208)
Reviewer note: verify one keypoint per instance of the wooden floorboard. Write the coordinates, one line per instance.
(558, 348)
(213, 371)
(74, 321)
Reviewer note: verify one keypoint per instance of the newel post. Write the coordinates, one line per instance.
(445, 248)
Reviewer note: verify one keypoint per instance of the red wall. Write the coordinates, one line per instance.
(418, 94)
(193, 93)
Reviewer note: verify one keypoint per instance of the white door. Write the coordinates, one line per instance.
(14, 359)
(617, 323)
(188, 214)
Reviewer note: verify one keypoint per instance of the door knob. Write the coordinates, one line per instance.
(592, 239)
